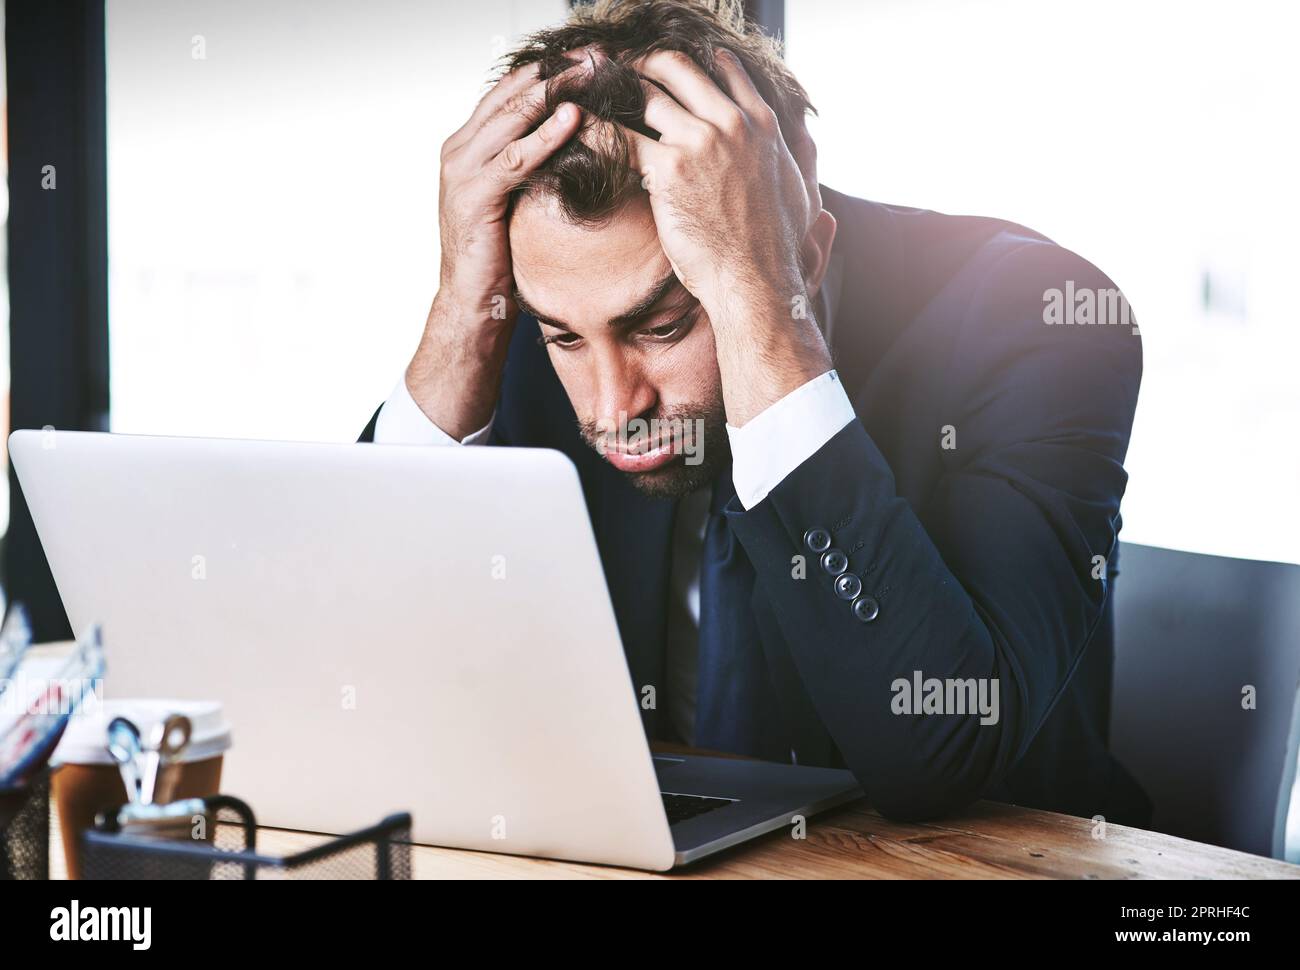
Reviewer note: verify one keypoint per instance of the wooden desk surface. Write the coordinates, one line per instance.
(988, 841)
(991, 841)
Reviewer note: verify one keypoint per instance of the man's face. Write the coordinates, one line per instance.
(633, 349)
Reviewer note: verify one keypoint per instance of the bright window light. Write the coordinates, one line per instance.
(1157, 140)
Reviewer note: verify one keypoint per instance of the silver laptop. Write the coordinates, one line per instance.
(389, 628)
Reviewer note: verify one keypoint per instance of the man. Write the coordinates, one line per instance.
(833, 454)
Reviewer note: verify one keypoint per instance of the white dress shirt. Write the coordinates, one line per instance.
(763, 452)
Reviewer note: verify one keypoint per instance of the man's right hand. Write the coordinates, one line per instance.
(455, 375)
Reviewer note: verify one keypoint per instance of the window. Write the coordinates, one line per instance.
(1153, 139)
(272, 198)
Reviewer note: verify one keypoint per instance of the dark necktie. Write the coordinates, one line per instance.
(736, 709)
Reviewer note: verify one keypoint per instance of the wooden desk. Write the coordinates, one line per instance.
(988, 841)
(991, 841)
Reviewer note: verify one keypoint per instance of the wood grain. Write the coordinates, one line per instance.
(990, 840)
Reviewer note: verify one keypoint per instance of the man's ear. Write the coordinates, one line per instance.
(817, 250)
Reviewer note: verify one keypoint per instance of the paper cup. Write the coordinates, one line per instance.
(87, 781)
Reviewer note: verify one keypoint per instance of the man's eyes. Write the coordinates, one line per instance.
(564, 339)
(664, 333)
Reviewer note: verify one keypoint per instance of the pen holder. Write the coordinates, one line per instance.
(25, 829)
(229, 851)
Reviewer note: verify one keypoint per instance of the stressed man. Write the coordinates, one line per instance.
(856, 494)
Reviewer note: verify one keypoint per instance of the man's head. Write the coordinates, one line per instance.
(632, 347)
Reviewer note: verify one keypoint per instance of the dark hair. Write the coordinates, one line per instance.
(591, 184)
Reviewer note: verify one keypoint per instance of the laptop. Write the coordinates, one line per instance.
(390, 628)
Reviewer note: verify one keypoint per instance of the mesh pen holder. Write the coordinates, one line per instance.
(25, 829)
(382, 851)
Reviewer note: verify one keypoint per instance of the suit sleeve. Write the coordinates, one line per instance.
(993, 578)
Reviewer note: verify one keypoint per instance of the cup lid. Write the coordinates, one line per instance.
(85, 742)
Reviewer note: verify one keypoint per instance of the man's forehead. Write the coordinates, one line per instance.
(584, 274)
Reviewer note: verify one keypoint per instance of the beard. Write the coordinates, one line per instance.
(698, 436)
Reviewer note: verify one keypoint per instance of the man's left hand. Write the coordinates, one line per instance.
(732, 210)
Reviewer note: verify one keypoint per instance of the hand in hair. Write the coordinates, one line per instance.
(456, 372)
(734, 217)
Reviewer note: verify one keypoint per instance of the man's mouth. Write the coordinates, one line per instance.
(644, 460)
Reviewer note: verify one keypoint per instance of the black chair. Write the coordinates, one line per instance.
(1193, 632)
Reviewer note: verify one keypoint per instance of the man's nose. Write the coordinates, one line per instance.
(621, 392)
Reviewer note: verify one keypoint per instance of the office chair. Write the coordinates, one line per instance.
(1192, 633)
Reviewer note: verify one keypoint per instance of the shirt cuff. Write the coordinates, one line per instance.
(401, 422)
(785, 435)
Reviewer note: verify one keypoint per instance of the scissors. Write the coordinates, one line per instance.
(167, 740)
(124, 746)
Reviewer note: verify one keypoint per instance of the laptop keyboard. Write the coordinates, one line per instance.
(682, 807)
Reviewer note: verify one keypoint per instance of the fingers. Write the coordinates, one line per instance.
(491, 102)
(520, 158)
(686, 81)
(665, 115)
(737, 82)
(497, 119)
(513, 117)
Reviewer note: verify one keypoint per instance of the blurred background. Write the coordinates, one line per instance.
(243, 237)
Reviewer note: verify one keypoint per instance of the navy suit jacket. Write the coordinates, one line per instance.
(980, 554)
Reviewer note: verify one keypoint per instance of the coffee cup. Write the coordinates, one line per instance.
(86, 780)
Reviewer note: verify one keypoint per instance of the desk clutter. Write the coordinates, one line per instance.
(36, 711)
(25, 830)
(227, 848)
(33, 717)
(132, 759)
(136, 783)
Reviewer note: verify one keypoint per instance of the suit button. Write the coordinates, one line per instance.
(866, 609)
(848, 586)
(834, 561)
(817, 540)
